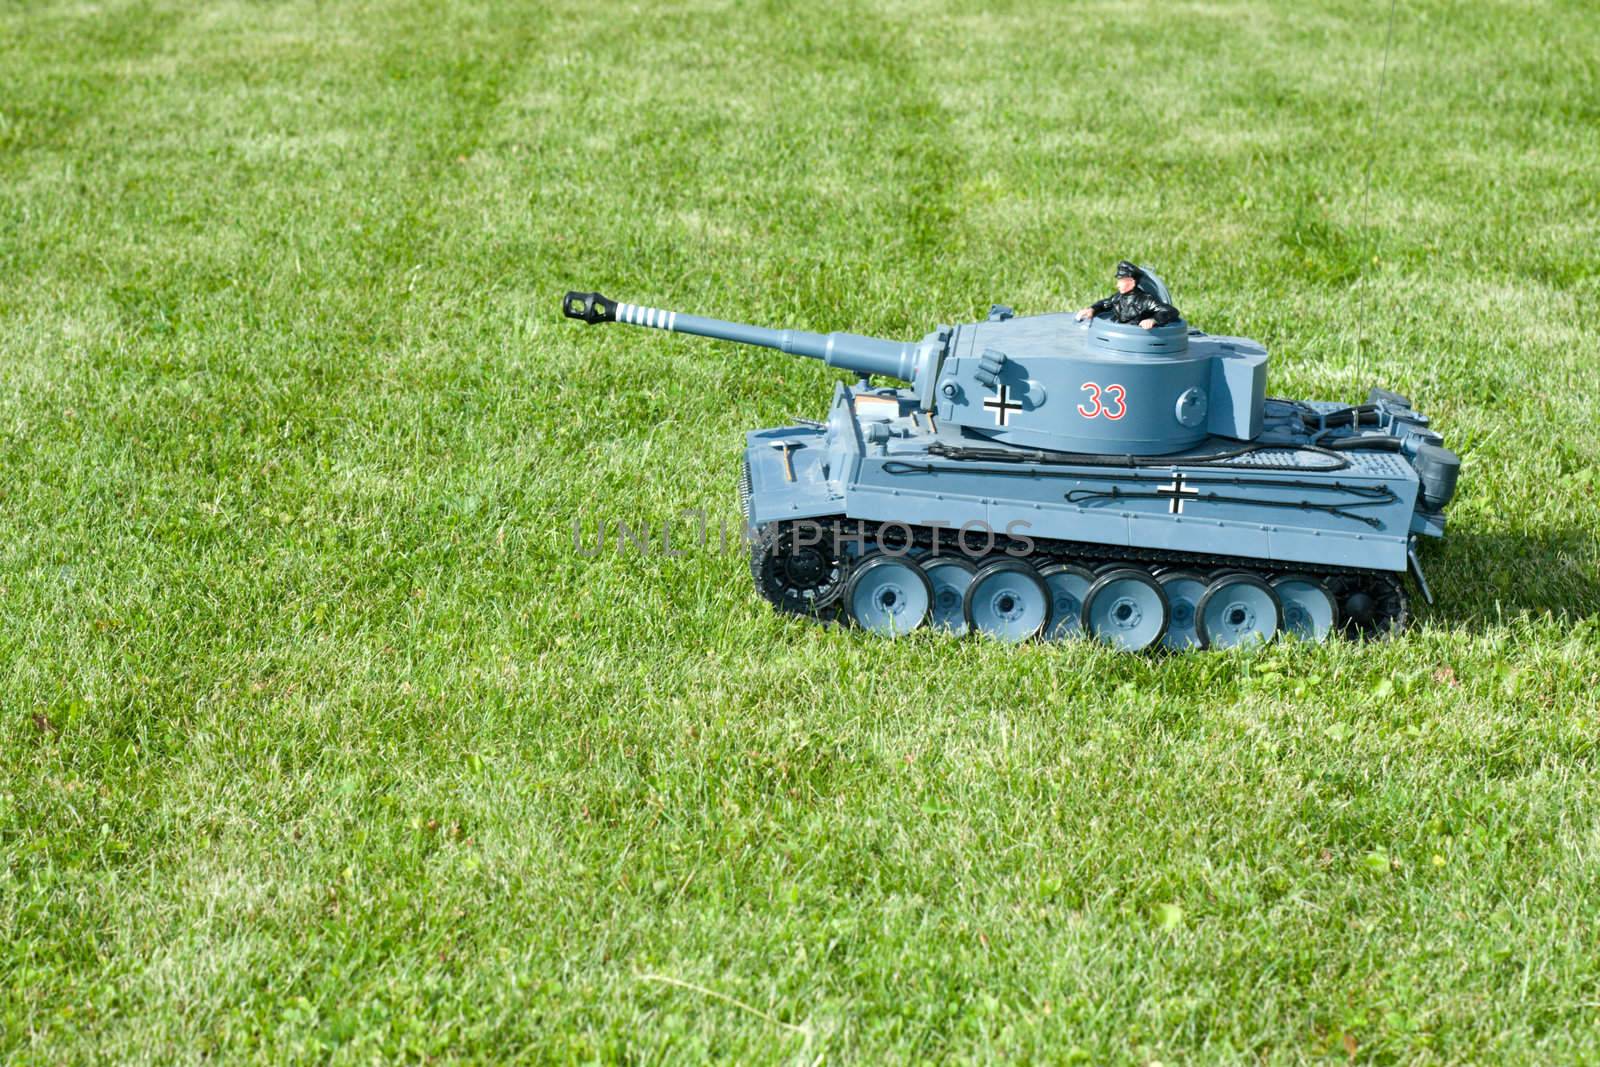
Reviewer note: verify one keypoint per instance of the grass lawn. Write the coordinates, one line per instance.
(319, 741)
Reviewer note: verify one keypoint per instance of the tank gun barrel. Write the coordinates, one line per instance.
(852, 352)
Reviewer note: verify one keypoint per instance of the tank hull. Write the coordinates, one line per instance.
(880, 476)
(1283, 504)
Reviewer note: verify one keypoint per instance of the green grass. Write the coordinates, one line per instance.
(319, 742)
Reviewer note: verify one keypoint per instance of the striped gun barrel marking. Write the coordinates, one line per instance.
(864, 355)
(638, 315)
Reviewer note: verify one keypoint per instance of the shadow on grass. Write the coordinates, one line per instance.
(1479, 578)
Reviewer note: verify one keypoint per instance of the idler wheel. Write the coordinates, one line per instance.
(1361, 608)
(1371, 606)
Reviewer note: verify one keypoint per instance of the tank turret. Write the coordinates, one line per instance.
(1052, 382)
(1041, 381)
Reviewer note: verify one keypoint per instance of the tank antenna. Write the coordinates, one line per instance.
(1372, 153)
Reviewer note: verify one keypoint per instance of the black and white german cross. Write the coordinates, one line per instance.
(1175, 492)
(1002, 405)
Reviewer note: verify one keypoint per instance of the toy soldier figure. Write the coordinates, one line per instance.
(1130, 303)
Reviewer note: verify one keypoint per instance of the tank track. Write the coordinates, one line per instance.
(1384, 613)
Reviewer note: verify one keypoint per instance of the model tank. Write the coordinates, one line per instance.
(1058, 474)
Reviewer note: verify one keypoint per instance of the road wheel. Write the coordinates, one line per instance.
(1007, 600)
(1126, 608)
(1238, 609)
(889, 595)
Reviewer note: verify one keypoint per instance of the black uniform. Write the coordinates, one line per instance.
(1135, 306)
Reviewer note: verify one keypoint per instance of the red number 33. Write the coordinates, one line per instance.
(1096, 408)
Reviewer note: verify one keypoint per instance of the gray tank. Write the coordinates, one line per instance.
(1044, 477)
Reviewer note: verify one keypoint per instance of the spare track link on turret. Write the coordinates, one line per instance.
(783, 582)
